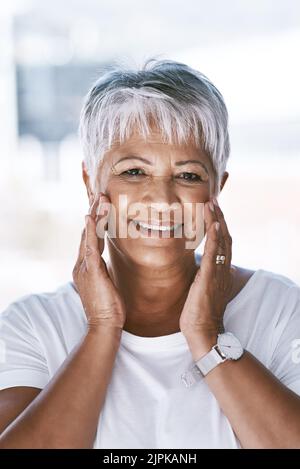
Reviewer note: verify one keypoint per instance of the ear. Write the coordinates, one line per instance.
(224, 179)
(86, 180)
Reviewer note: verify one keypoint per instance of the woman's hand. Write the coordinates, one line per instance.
(101, 300)
(202, 316)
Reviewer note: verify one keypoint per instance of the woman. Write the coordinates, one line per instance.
(157, 347)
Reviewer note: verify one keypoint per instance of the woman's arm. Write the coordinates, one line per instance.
(262, 411)
(65, 413)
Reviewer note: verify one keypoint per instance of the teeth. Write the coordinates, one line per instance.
(157, 228)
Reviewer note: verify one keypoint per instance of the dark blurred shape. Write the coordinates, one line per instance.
(50, 97)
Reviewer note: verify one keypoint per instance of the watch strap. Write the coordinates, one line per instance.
(210, 360)
(200, 368)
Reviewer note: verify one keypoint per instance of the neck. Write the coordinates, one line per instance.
(153, 297)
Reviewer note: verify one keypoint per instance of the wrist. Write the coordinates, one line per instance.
(102, 331)
(200, 344)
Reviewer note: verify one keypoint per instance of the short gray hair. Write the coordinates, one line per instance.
(181, 101)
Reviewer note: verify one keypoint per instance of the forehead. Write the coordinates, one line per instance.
(155, 147)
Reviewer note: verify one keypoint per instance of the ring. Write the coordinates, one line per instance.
(220, 259)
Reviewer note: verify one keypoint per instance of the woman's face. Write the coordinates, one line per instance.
(157, 183)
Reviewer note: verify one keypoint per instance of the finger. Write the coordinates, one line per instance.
(94, 205)
(208, 260)
(226, 268)
(224, 233)
(92, 254)
(210, 217)
(209, 214)
(209, 220)
(102, 215)
(103, 204)
(81, 251)
(94, 213)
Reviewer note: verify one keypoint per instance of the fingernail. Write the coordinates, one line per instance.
(215, 201)
(211, 206)
(217, 226)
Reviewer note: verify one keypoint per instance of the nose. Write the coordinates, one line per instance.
(160, 195)
(161, 190)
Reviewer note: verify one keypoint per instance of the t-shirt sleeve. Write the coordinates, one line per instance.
(22, 362)
(285, 360)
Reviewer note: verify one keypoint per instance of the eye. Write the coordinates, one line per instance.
(191, 177)
(130, 174)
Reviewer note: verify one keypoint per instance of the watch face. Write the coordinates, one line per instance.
(230, 346)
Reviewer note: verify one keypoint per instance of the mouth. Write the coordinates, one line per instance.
(156, 227)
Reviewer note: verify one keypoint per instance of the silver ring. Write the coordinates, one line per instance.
(220, 259)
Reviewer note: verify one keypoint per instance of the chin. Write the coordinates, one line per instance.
(152, 253)
(155, 258)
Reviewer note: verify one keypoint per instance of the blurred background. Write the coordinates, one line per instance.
(52, 51)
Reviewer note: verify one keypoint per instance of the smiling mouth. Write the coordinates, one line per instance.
(156, 227)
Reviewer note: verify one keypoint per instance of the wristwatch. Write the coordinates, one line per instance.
(228, 347)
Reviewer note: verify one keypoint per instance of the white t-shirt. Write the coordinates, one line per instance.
(147, 405)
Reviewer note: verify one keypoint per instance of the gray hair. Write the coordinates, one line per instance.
(181, 101)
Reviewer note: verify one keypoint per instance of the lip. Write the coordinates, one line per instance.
(156, 223)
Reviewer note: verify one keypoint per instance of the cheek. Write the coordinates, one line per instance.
(124, 204)
(116, 187)
(194, 217)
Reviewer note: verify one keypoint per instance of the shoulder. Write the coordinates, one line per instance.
(36, 332)
(264, 296)
(38, 307)
(265, 312)
(263, 280)
(267, 297)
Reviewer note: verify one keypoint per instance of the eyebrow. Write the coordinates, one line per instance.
(181, 163)
(134, 158)
(178, 163)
